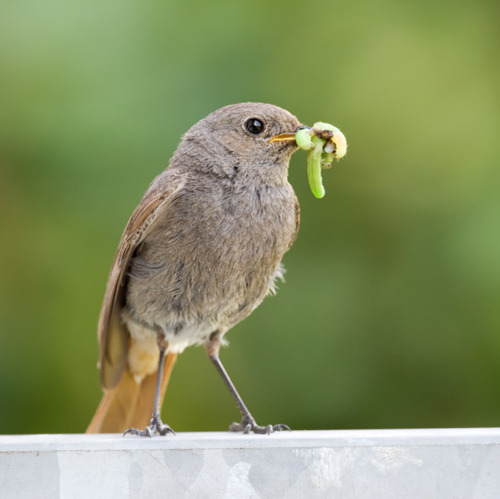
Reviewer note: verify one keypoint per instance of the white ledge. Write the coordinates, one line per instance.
(433, 463)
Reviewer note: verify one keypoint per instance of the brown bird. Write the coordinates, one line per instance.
(199, 254)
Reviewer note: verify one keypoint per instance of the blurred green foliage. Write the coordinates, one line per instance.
(390, 315)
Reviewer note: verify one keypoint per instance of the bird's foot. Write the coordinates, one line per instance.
(248, 425)
(156, 426)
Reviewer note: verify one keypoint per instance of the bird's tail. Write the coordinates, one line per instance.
(130, 404)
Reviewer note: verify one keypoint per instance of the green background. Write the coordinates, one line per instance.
(390, 314)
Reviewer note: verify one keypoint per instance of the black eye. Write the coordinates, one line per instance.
(254, 126)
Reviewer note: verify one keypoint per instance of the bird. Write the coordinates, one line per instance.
(200, 252)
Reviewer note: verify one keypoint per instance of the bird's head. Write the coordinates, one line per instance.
(240, 138)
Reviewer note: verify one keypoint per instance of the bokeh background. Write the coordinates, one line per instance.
(390, 314)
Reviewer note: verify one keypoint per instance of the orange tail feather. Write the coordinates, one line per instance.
(130, 404)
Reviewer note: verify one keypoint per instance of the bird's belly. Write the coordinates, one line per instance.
(144, 352)
(174, 340)
(189, 310)
(185, 307)
(190, 280)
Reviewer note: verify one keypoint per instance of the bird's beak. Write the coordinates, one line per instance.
(283, 137)
(286, 137)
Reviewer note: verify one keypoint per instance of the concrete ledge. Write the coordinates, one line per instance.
(447, 463)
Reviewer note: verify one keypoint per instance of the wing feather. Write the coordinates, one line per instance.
(112, 332)
(297, 222)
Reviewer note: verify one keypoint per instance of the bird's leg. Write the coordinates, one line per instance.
(155, 425)
(248, 423)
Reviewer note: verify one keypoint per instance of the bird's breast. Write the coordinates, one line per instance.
(212, 257)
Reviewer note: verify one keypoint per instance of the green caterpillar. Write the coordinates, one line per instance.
(324, 143)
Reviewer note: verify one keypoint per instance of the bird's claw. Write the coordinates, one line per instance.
(156, 426)
(248, 425)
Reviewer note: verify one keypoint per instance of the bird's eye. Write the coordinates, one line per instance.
(254, 126)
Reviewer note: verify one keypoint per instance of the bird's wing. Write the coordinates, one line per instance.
(112, 333)
(297, 222)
